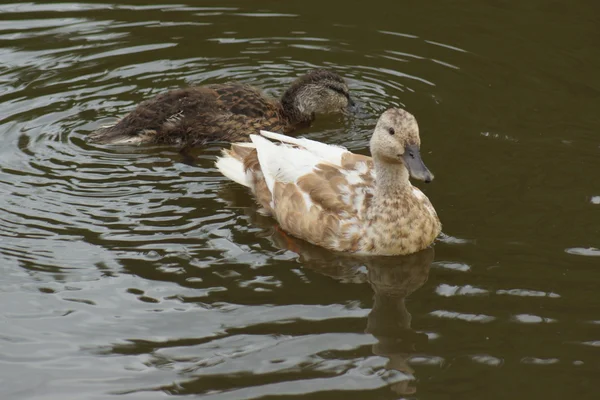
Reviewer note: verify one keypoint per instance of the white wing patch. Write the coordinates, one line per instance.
(264, 150)
(326, 152)
(307, 200)
(352, 176)
(356, 191)
(283, 163)
(362, 167)
(293, 158)
(295, 163)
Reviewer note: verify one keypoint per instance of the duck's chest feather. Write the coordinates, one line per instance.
(401, 225)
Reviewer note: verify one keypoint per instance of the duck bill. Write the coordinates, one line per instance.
(414, 163)
(351, 108)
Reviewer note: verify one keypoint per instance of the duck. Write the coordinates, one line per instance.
(229, 112)
(339, 200)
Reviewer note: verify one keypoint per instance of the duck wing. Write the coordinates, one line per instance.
(207, 113)
(311, 197)
(242, 99)
(334, 154)
(224, 112)
(152, 116)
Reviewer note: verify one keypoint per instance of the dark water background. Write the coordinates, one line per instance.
(129, 274)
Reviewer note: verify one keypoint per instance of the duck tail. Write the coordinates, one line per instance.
(231, 163)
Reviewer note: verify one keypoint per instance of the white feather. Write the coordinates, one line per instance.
(244, 144)
(352, 177)
(327, 152)
(280, 137)
(264, 150)
(362, 168)
(294, 163)
(307, 200)
(283, 163)
(233, 169)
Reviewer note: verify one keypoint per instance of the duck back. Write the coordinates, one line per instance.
(195, 116)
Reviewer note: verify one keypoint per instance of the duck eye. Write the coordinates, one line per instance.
(391, 131)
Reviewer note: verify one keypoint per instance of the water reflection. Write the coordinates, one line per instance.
(392, 279)
(389, 321)
(131, 250)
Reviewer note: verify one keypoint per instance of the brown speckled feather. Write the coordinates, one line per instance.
(224, 112)
(339, 200)
(238, 98)
(311, 223)
(195, 116)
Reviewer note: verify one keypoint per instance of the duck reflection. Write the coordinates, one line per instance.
(389, 320)
(393, 279)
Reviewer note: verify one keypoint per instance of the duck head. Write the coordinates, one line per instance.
(396, 140)
(318, 92)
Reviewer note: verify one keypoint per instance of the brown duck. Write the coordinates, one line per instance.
(227, 112)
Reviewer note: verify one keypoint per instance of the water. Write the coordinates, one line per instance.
(127, 273)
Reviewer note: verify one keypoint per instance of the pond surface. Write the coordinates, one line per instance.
(127, 273)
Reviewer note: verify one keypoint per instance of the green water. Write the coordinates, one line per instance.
(127, 273)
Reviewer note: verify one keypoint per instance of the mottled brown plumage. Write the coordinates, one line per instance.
(226, 112)
(339, 200)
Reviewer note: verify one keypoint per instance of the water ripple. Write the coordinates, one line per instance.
(128, 271)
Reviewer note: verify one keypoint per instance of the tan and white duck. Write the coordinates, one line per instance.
(227, 112)
(342, 201)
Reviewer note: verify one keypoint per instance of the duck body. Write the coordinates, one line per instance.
(226, 112)
(342, 201)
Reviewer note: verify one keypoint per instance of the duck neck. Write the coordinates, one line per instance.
(392, 178)
(293, 109)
